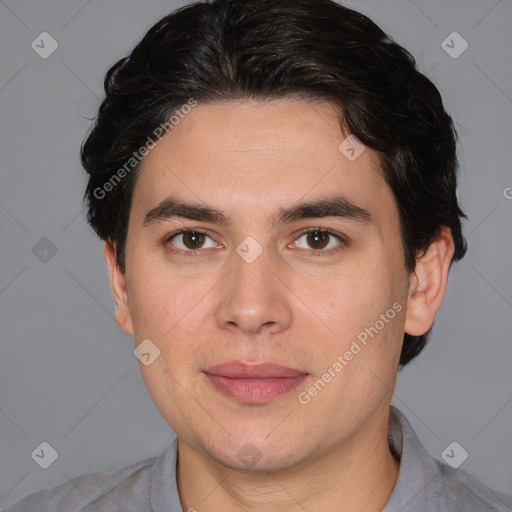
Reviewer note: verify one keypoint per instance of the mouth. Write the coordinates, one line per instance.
(255, 383)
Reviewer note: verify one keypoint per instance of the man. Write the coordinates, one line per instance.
(275, 183)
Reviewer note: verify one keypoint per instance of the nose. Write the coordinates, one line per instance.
(254, 298)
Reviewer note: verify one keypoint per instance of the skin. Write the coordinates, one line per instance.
(289, 306)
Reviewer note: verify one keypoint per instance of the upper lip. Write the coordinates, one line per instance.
(241, 370)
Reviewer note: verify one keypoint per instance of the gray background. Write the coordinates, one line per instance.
(67, 373)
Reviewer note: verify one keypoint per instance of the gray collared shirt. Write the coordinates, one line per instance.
(424, 484)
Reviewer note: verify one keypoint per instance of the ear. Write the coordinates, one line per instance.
(123, 315)
(428, 284)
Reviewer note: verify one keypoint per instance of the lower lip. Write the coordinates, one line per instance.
(255, 391)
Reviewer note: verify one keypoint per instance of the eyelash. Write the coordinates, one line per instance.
(187, 254)
(321, 252)
(302, 232)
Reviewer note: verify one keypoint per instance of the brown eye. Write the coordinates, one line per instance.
(191, 240)
(318, 239)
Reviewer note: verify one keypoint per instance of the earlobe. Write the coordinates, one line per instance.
(428, 284)
(117, 280)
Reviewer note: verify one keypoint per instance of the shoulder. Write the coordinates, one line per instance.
(426, 483)
(101, 490)
(464, 492)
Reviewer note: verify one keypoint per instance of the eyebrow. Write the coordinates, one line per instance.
(337, 206)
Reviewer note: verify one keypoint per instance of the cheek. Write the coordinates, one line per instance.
(162, 301)
(352, 296)
(363, 308)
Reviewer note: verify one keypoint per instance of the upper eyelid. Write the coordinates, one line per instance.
(304, 231)
(185, 230)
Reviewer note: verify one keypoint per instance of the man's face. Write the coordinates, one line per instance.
(281, 296)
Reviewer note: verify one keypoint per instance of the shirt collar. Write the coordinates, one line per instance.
(418, 476)
(163, 484)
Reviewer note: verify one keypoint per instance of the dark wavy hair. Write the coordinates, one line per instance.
(270, 49)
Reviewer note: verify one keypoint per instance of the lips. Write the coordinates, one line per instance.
(239, 370)
(256, 383)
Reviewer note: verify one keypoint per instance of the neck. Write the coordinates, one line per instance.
(358, 474)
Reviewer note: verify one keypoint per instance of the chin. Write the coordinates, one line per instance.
(256, 456)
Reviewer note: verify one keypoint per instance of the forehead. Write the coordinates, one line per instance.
(243, 157)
